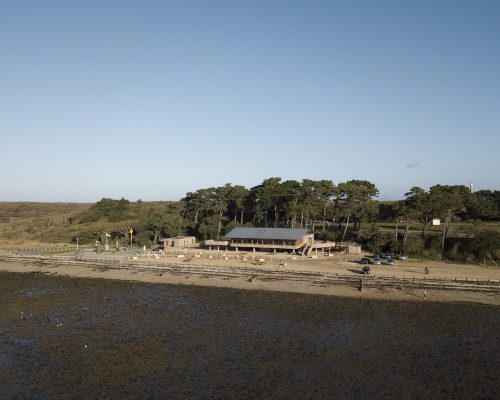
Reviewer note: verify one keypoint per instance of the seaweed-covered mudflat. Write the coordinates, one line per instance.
(69, 338)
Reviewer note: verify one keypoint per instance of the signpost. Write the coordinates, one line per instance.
(106, 246)
(131, 231)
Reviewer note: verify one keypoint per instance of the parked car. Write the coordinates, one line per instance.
(366, 270)
(389, 261)
(377, 261)
(402, 257)
(365, 260)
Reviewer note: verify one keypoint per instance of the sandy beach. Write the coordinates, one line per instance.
(335, 276)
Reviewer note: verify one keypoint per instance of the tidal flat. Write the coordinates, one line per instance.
(75, 338)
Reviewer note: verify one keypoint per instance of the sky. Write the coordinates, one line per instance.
(152, 99)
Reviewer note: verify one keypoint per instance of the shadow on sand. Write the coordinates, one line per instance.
(356, 271)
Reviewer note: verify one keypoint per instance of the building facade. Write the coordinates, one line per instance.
(269, 238)
(179, 241)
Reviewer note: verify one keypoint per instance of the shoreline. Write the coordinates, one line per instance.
(304, 282)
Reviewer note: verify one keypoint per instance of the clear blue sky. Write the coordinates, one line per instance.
(152, 99)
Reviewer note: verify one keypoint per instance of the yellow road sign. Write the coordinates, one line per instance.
(131, 231)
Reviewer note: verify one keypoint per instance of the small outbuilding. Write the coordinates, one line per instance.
(179, 241)
(354, 249)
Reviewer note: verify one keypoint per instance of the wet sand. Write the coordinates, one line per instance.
(76, 338)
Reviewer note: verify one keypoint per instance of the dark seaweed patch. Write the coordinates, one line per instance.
(95, 339)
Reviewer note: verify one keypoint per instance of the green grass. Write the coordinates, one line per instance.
(458, 229)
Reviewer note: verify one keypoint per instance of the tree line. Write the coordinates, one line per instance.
(344, 211)
(309, 204)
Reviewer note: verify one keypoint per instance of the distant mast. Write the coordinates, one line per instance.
(471, 187)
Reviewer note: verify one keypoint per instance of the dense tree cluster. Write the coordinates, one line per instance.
(113, 210)
(449, 204)
(310, 204)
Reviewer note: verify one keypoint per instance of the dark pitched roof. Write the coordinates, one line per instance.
(267, 233)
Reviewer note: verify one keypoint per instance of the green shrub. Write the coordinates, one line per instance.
(414, 246)
(485, 245)
(327, 236)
